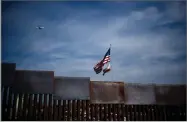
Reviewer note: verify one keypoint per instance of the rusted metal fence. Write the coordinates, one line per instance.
(39, 95)
(44, 107)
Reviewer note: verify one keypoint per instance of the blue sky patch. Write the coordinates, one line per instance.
(148, 39)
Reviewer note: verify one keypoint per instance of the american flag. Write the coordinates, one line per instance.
(99, 66)
(106, 58)
(107, 69)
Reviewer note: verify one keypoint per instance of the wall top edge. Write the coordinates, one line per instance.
(22, 70)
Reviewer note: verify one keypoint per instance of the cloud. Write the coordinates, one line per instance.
(71, 44)
(176, 10)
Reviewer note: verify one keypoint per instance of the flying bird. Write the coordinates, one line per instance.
(40, 27)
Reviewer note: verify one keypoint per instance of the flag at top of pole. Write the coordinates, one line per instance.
(106, 60)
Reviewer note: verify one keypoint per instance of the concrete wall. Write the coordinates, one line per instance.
(155, 94)
(34, 81)
(26, 81)
(106, 92)
(139, 94)
(102, 92)
(71, 88)
(8, 73)
(170, 94)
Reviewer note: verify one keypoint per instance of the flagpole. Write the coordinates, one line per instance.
(111, 63)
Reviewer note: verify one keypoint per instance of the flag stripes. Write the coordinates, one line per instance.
(106, 59)
(99, 66)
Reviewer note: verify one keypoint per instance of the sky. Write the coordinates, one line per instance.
(147, 38)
